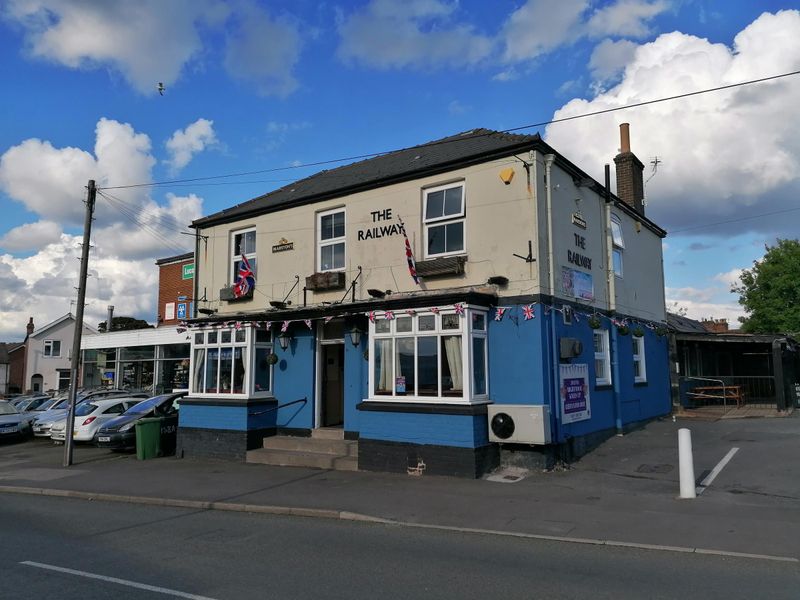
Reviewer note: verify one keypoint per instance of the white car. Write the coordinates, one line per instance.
(89, 416)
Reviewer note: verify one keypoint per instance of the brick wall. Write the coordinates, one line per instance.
(630, 185)
(171, 285)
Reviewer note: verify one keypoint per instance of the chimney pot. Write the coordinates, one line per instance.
(624, 137)
(30, 326)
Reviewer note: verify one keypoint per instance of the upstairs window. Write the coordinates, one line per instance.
(444, 220)
(331, 240)
(52, 348)
(242, 242)
(618, 245)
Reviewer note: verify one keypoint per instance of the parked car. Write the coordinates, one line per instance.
(43, 422)
(120, 433)
(32, 404)
(12, 422)
(25, 398)
(90, 416)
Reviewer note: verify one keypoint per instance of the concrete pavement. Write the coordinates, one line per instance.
(624, 492)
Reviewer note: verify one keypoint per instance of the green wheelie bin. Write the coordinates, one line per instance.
(148, 438)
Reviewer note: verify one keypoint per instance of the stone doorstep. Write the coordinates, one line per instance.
(312, 445)
(328, 433)
(290, 458)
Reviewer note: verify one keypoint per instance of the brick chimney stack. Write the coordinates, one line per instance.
(715, 325)
(29, 327)
(630, 182)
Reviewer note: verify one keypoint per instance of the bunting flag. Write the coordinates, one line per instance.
(327, 319)
(499, 312)
(435, 310)
(388, 315)
(246, 280)
(238, 326)
(411, 312)
(412, 265)
(527, 312)
(181, 330)
(459, 308)
(285, 326)
(371, 315)
(307, 322)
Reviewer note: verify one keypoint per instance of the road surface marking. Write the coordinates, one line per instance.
(133, 584)
(715, 471)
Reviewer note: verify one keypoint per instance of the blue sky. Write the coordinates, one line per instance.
(253, 86)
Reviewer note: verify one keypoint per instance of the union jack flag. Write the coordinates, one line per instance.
(246, 279)
(412, 265)
(388, 315)
(307, 322)
(371, 315)
(435, 310)
(499, 312)
(459, 308)
(284, 326)
(527, 312)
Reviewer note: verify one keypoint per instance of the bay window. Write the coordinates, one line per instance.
(429, 356)
(231, 362)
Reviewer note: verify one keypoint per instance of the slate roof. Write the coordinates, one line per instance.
(174, 259)
(681, 324)
(439, 156)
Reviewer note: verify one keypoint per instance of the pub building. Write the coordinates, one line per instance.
(441, 309)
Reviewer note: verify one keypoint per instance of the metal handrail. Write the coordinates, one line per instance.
(279, 406)
(720, 381)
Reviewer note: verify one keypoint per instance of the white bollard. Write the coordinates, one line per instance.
(686, 464)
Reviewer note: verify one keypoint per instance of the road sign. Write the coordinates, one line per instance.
(181, 310)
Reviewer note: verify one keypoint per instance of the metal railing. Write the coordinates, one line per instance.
(731, 391)
(277, 407)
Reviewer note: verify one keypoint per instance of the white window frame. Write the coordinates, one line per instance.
(445, 219)
(604, 355)
(331, 241)
(617, 246)
(467, 333)
(201, 343)
(47, 349)
(639, 357)
(234, 257)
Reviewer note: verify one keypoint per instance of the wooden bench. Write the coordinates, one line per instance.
(719, 392)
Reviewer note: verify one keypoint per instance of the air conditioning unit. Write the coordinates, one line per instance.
(519, 423)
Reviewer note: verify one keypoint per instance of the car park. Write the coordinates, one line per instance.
(44, 421)
(25, 398)
(90, 416)
(13, 423)
(32, 404)
(120, 433)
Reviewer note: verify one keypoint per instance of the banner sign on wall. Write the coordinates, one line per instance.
(577, 284)
(575, 403)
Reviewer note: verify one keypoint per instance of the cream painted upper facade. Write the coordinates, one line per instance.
(500, 220)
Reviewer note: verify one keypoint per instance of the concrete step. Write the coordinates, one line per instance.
(328, 433)
(315, 445)
(315, 460)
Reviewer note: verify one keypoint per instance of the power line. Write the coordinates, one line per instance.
(461, 138)
(766, 214)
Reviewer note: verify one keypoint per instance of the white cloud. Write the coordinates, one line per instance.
(146, 41)
(416, 33)
(131, 229)
(185, 143)
(609, 58)
(540, 26)
(726, 153)
(263, 50)
(729, 278)
(31, 236)
(628, 18)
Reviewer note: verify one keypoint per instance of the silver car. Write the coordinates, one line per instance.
(13, 423)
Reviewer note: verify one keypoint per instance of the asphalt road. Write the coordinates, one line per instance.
(239, 556)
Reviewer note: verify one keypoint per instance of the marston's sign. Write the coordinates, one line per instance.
(283, 245)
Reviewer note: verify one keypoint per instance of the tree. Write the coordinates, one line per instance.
(770, 291)
(124, 324)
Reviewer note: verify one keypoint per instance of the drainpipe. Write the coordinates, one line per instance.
(612, 305)
(548, 163)
(195, 278)
(615, 379)
(777, 372)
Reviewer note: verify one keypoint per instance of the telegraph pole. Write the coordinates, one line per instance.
(76, 342)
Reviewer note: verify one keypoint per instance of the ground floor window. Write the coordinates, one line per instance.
(155, 369)
(428, 354)
(639, 365)
(602, 357)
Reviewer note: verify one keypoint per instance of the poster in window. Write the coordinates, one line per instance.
(574, 386)
(577, 284)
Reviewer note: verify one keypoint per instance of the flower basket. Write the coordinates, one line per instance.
(623, 329)
(638, 332)
(661, 331)
(272, 358)
(594, 322)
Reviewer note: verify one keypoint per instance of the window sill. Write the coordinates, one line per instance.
(436, 407)
(640, 382)
(603, 386)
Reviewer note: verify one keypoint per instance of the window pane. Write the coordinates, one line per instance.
(454, 238)
(426, 323)
(382, 326)
(338, 224)
(637, 368)
(174, 351)
(616, 233)
(434, 205)
(239, 370)
(452, 202)
(250, 242)
(261, 378)
(452, 367)
(599, 369)
(404, 366)
(212, 366)
(326, 258)
(226, 336)
(436, 239)
(238, 246)
(478, 366)
(338, 256)
(617, 262)
(263, 336)
(326, 227)
(478, 321)
(403, 324)
(56, 348)
(451, 322)
(383, 367)
(225, 369)
(598, 342)
(212, 337)
(198, 338)
(138, 353)
(428, 365)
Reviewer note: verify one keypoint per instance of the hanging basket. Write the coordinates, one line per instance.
(638, 332)
(661, 331)
(272, 358)
(594, 322)
(623, 329)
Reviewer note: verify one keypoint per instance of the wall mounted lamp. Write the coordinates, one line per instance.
(355, 336)
(283, 339)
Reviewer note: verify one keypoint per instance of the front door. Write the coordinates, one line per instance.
(332, 414)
